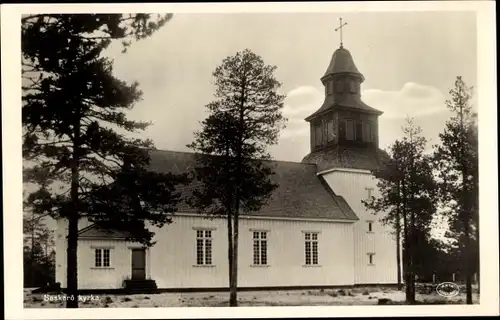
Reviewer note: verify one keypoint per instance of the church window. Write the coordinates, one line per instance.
(318, 136)
(102, 258)
(329, 87)
(359, 131)
(311, 248)
(371, 259)
(368, 132)
(329, 131)
(349, 130)
(353, 86)
(260, 248)
(339, 86)
(203, 247)
(369, 192)
(370, 226)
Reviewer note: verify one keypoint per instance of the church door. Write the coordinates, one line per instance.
(138, 264)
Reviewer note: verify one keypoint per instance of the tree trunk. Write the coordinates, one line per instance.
(468, 263)
(33, 282)
(72, 268)
(412, 257)
(230, 252)
(478, 264)
(478, 268)
(230, 245)
(398, 252)
(466, 214)
(233, 300)
(73, 216)
(398, 242)
(409, 277)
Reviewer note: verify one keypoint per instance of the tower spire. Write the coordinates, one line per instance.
(341, 25)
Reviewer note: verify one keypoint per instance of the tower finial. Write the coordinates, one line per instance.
(340, 29)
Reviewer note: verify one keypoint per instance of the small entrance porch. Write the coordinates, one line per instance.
(139, 282)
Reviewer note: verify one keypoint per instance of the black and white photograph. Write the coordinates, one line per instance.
(251, 158)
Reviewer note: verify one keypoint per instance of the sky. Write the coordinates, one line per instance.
(410, 61)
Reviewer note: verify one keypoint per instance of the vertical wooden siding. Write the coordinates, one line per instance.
(171, 262)
(174, 257)
(351, 186)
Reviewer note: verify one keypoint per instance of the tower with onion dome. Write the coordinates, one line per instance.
(344, 145)
(344, 129)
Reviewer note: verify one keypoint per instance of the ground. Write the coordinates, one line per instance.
(356, 296)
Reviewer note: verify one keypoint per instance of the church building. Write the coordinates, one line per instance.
(313, 232)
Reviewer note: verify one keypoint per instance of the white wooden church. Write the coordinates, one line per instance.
(314, 232)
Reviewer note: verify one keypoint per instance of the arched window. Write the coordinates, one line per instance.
(368, 132)
(354, 86)
(339, 86)
(318, 135)
(349, 129)
(330, 135)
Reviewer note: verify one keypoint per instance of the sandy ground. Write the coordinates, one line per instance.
(357, 296)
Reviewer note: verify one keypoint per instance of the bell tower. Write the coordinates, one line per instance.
(344, 130)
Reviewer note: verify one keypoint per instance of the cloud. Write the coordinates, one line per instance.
(412, 100)
(390, 129)
(302, 101)
(294, 139)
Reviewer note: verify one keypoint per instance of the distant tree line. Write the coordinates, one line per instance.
(38, 252)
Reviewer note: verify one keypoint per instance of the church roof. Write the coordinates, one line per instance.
(301, 193)
(346, 157)
(342, 63)
(93, 231)
(346, 101)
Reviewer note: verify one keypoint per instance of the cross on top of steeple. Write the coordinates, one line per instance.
(341, 25)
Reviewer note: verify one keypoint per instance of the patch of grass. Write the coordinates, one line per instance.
(126, 299)
(341, 292)
(146, 298)
(365, 293)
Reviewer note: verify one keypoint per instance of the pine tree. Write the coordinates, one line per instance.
(456, 165)
(232, 145)
(407, 197)
(73, 110)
